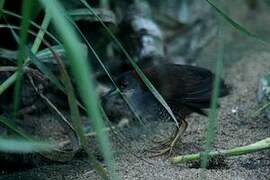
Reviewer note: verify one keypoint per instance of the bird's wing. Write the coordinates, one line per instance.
(184, 84)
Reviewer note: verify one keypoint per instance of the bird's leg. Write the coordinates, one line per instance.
(163, 143)
(168, 144)
(166, 141)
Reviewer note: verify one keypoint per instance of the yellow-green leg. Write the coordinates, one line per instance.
(168, 144)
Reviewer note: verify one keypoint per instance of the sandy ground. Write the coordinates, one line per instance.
(246, 60)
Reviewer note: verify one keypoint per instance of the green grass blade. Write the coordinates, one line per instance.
(8, 82)
(210, 134)
(24, 144)
(42, 67)
(234, 23)
(8, 54)
(70, 92)
(12, 145)
(9, 124)
(104, 4)
(33, 24)
(2, 2)
(40, 35)
(47, 54)
(134, 65)
(82, 74)
(251, 148)
(45, 70)
(75, 115)
(26, 12)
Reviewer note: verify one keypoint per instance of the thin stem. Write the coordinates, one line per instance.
(258, 146)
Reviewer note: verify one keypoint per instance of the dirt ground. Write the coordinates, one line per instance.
(246, 60)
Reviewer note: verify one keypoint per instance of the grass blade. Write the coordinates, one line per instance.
(12, 145)
(40, 35)
(81, 72)
(26, 12)
(251, 148)
(42, 67)
(8, 123)
(25, 144)
(2, 2)
(210, 134)
(33, 24)
(8, 82)
(75, 114)
(234, 23)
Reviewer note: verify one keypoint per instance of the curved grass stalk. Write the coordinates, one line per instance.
(251, 148)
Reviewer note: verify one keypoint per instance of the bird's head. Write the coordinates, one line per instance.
(128, 81)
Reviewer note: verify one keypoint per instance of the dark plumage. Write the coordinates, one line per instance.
(186, 89)
(179, 85)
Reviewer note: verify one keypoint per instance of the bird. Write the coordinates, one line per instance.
(186, 89)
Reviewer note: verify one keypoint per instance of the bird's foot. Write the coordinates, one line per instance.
(162, 151)
(163, 142)
(166, 145)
